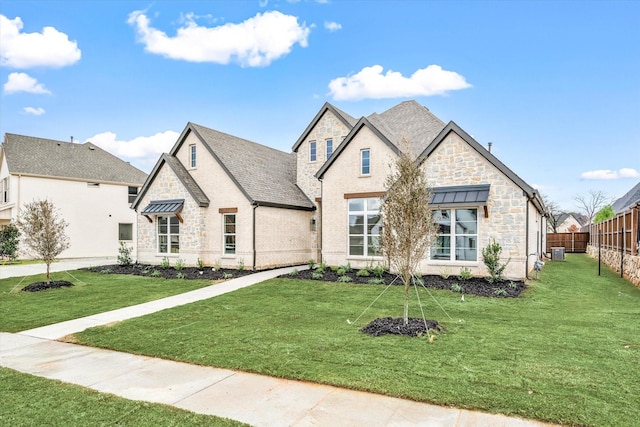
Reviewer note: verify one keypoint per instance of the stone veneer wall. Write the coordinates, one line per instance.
(454, 162)
(611, 258)
(192, 230)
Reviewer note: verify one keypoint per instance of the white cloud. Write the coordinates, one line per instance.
(50, 48)
(332, 26)
(371, 83)
(22, 82)
(143, 151)
(34, 111)
(606, 174)
(255, 42)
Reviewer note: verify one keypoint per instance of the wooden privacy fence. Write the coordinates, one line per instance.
(571, 242)
(618, 233)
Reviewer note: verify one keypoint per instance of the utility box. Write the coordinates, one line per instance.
(557, 254)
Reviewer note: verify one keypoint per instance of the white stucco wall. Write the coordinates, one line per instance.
(92, 213)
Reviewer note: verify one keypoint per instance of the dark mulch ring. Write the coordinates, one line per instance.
(43, 286)
(474, 286)
(395, 325)
(206, 273)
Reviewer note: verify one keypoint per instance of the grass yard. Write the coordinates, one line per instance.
(567, 351)
(92, 293)
(32, 401)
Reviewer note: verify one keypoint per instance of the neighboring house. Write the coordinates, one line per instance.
(226, 201)
(627, 201)
(91, 189)
(567, 223)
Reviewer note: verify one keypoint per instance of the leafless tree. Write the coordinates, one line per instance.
(43, 231)
(408, 228)
(555, 213)
(592, 203)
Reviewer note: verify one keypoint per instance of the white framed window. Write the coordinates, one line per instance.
(229, 233)
(5, 190)
(457, 235)
(125, 231)
(133, 193)
(365, 226)
(365, 161)
(192, 155)
(329, 148)
(168, 235)
(313, 153)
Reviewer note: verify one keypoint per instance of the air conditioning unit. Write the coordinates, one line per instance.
(557, 254)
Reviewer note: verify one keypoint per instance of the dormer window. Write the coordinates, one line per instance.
(312, 151)
(329, 147)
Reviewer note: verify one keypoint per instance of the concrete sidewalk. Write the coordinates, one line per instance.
(21, 270)
(254, 399)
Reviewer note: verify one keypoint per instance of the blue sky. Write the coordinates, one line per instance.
(555, 85)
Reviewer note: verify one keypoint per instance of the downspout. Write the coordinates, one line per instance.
(321, 225)
(526, 239)
(255, 206)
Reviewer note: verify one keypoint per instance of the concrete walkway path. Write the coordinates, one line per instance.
(21, 270)
(254, 399)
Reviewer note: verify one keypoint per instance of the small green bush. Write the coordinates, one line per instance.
(241, 264)
(155, 273)
(500, 292)
(465, 274)
(344, 279)
(312, 264)
(375, 281)
(179, 264)
(317, 276)
(105, 271)
(491, 258)
(456, 288)
(180, 275)
(165, 263)
(379, 270)
(363, 273)
(341, 271)
(294, 273)
(200, 264)
(124, 255)
(227, 276)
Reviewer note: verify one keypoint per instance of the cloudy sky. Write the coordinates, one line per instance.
(555, 85)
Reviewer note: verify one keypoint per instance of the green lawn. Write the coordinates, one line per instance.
(92, 293)
(567, 351)
(32, 401)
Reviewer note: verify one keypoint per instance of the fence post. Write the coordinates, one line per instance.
(622, 253)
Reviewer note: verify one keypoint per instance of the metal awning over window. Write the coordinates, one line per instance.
(164, 207)
(462, 195)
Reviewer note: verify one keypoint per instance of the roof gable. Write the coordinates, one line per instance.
(453, 127)
(362, 123)
(345, 118)
(183, 175)
(46, 157)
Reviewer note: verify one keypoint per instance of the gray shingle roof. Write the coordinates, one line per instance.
(266, 176)
(46, 157)
(409, 120)
(628, 200)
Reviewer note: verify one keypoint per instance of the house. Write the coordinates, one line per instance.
(91, 189)
(626, 202)
(228, 201)
(567, 223)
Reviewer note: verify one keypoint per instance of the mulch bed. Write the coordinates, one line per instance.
(206, 273)
(42, 286)
(478, 286)
(395, 326)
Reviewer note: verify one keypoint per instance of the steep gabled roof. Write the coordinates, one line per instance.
(628, 200)
(29, 155)
(345, 118)
(453, 127)
(408, 120)
(183, 175)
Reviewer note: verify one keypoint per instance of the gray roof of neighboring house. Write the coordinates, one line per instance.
(628, 200)
(46, 157)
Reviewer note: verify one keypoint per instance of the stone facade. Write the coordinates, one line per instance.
(612, 259)
(454, 162)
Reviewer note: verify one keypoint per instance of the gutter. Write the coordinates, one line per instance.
(255, 206)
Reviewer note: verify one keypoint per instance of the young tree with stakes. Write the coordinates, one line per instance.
(408, 228)
(43, 231)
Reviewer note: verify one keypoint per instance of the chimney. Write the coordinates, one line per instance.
(489, 144)
(72, 139)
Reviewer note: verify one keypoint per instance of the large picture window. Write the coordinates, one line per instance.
(365, 225)
(457, 235)
(229, 234)
(168, 235)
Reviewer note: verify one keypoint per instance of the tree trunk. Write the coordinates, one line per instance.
(407, 279)
(48, 276)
